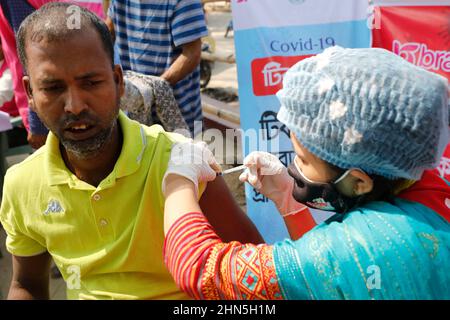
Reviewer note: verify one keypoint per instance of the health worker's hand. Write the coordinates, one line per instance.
(193, 161)
(269, 176)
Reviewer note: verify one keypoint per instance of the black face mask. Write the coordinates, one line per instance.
(318, 195)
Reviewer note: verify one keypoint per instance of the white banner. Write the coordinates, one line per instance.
(248, 14)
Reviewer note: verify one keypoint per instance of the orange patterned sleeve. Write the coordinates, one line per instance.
(206, 268)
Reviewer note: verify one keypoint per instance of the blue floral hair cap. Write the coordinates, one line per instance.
(369, 109)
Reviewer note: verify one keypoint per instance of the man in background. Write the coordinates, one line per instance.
(163, 38)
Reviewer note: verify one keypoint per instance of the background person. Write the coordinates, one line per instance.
(163, 38)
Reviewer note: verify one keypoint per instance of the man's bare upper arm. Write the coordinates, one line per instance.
(225, 215)
(193, 50)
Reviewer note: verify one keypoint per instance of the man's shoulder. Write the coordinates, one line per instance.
(157, 135)
(158, 148)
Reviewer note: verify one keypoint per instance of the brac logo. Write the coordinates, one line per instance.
(420, 55)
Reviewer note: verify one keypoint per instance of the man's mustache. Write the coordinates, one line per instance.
(84, 117)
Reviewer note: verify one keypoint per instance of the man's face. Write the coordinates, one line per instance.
(74, 90)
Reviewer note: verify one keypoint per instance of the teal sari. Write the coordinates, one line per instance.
(378, 251)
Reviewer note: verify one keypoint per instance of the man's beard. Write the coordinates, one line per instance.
(89, 148)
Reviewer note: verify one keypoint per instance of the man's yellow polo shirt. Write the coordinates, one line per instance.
(106, 241)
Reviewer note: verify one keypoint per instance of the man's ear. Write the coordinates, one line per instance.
(118, 78)
(362, 183)
(27, 85)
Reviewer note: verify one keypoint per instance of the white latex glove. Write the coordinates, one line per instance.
(269, 176)
(193, 161)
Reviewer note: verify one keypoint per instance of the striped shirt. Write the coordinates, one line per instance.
(149, 36)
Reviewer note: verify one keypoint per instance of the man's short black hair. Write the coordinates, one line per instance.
(52, 23)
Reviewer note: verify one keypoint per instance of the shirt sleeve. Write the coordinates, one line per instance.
(188, 22)
(206, 268)
(18, 243)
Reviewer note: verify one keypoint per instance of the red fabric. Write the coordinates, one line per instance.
(12, 60)
(431, 190)
(38, 3)
(299, 223)
(94, 6)
(10, 108)
(407, 31)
